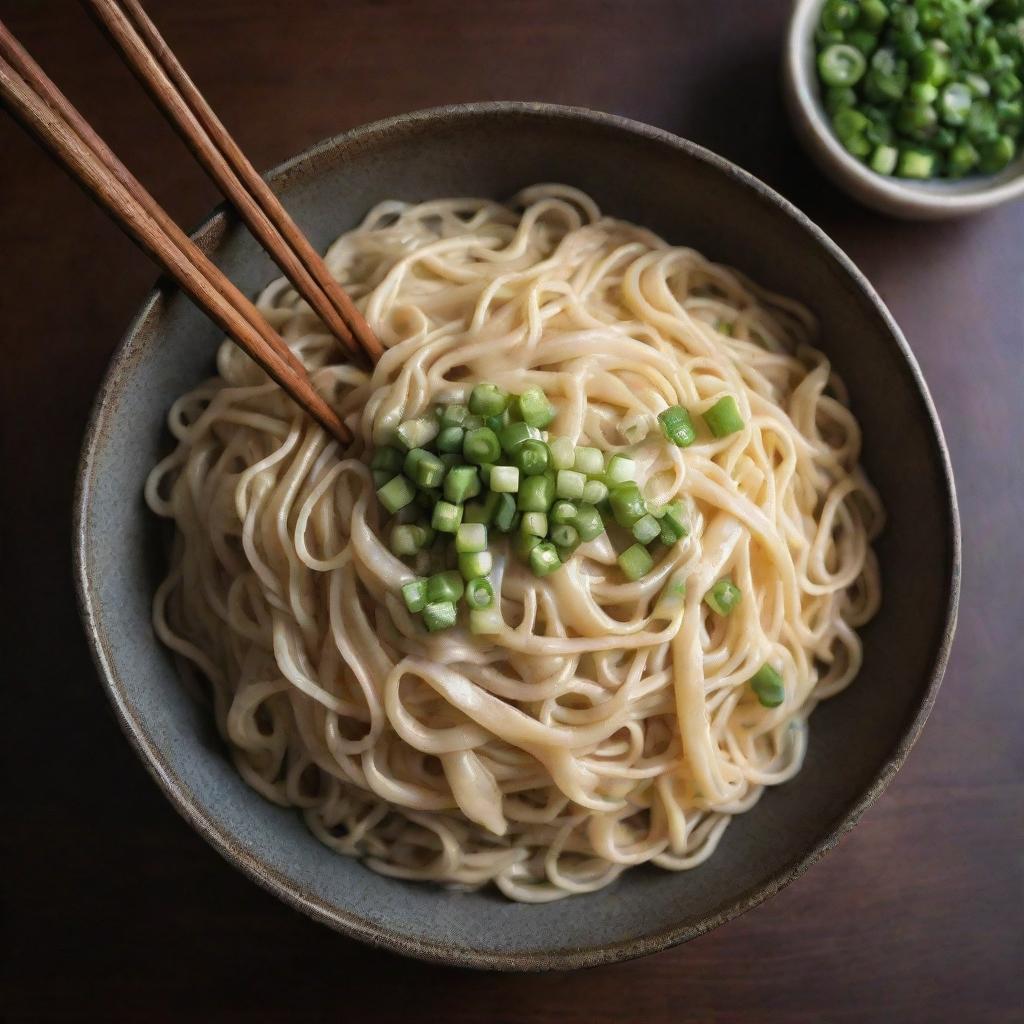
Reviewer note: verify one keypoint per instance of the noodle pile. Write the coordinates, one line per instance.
(608, 724)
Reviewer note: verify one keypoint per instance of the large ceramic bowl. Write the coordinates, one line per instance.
(690, 196)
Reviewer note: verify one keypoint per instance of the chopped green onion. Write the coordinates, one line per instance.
(439, 615)
(873, 14)
(477, 563)
(472, 422)
(505, 514)
(841, 64)
(454, 416)
(570, 484)
(535, 523)
(646, 529)
(387, 459)
(479, 593)
(396, 494)
(674, 523)
(450, 460)
(485, 621)
(635, 562)
(628, 505)
(424, 468)
(564, 536)
(536, 494)
(588, 461)
(406, 539)
(723, 596)
(447, 517)
(488, 400)
(956, 103)
(563, 453)
(563, 512)
(525, 543)
(544, 560)
(594, 491)
(916, 163)
(588, 522)
(995, 155)
(620, 470)
(481, 446)
(531, 458)
(534, 408)
(723, 418)
(461, 484)
(496, 423)
(381, 476)
(677, 426)
(445, 586)
(504, 479)
(883, 160)
(768, 685)
(470, 537)
(515, 434)
(450, 439)
(417, 433)
(963, 158)
(414, 593)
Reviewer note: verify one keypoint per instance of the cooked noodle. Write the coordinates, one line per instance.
(606, 726)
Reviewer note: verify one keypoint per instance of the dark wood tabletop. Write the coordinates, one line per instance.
(117, 911)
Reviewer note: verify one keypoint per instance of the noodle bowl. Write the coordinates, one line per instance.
(606, 725)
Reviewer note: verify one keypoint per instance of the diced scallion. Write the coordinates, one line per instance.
(414, 593)
(544, 559)
(396, 494)
(627, 503)
(767, 684)
(487, 400)
(534, 408)
(635, 562)
(471, 537)
(445, 586)
(478, 563)
(439, 615)
(723, 418)
(677, 426)
(646, 529)
(447, 517)
(723, 596)
(479, 593)
(504, 479)
(570, 484)
(620, 470)
(417, 433)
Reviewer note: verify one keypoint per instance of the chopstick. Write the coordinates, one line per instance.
(49, 115)
(151, 60)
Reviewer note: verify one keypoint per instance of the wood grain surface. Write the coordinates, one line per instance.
(116, 911)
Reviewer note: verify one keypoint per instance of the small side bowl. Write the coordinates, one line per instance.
(913, 200)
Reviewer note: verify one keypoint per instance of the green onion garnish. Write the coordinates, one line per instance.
(564, 536)
(563, 453)
(594, 492)
(620, 470)
(396, 493)
(424, 468)
(445, 586)
(627, 503)
(488, 400)
(505, 514)
(588, 461)
(417, 433)
(677, 426)
(588, 522)
(515, 434)
(504, 479)
(481, 446)
(447, 517)
(387, 459)
(479, 593)
(536, 493)
(535, 523)
(470, 537)
(723, 596)
(533, 408)
(723, 418)
(450, 439)
(461, 484)
(768, 685)
(477, 563)
(569, 484)
(635, 562)
(646, 529)
(531, 457)
(439, 615)
(485, 621)
(414, 594)
(544, 560)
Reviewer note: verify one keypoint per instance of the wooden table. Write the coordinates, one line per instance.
(117, 911)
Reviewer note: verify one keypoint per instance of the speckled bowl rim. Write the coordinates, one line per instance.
(940, 197)
(207, 235)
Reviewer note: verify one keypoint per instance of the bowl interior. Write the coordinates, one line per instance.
(971, 192)
(690, 197)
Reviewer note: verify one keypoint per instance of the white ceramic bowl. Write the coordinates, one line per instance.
(924, 200)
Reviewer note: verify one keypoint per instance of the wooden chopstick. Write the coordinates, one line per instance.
(45, 112)
(154, 64)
